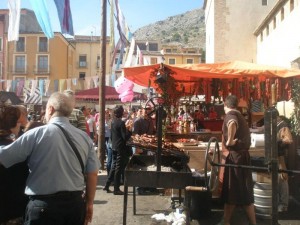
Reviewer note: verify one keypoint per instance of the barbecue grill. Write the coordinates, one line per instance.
(137, 173)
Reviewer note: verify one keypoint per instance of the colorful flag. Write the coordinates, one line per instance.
(41, 86)
(74, 81)
(33, 86)
(34, 97)
(121, 24)
(20, 87)
(115, 53)
(56, 83)
(130, 53)
(69, 84)
(8, 85)
(62, 84)
(112, 27)
(41, 12)
(65, 16)
(120, 59)
(47, 85)
(96, 81)
(14, 7)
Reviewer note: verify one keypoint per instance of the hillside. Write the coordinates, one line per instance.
(187, 28)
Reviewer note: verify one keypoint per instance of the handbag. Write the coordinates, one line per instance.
(73, 147)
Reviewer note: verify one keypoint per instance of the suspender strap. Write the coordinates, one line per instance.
(73, 146)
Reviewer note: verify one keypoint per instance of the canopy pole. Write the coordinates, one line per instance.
(101, 139)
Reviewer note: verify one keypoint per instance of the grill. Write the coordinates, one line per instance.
(137, 173)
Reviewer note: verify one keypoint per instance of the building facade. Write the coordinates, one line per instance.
(230, 27)
(35, 57)
(86, 61)
(278, 35)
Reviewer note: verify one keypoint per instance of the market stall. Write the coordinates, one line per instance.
(247, 81)
(250, 82)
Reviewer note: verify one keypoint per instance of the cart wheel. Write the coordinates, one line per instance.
(154, 103)
(212, 156)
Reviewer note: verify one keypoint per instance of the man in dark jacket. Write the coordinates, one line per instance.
(119, 136)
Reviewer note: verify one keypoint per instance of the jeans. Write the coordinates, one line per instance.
(109, 155)
(58, 210)
(117, 169)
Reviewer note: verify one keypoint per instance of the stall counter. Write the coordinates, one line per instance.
(198, 135)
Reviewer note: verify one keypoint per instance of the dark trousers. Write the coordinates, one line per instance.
(116, 170)
(65, 209)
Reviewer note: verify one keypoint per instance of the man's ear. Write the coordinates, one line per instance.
(51, 110)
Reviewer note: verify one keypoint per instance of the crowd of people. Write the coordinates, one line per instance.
(60, 145)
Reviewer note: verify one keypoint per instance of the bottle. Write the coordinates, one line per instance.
(192, 126)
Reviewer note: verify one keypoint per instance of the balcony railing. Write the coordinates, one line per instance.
(19, 70)
(38, 70)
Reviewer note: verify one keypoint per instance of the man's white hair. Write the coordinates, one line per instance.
(62, 103)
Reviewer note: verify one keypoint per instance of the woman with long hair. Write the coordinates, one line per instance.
(12, 180)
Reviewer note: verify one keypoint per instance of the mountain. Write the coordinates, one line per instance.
(187, 29)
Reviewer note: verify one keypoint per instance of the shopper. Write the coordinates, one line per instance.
(55, 184)
(12, 179)
(119, 136)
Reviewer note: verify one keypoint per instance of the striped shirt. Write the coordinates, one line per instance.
(77, 119)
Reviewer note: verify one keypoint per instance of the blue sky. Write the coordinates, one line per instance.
(87, 14)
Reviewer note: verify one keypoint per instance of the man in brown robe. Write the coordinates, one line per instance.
(237, 187)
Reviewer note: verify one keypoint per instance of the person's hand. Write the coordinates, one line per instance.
(89, 214)
(284, 176)
(231, 142)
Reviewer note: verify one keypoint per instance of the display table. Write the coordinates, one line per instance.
(197, 135)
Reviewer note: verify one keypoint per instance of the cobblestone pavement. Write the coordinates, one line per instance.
(108, 210)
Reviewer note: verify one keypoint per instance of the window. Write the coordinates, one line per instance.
(1, 44)
(82, 61)
(153, 47)
(43, 44)
(191, 52)
(174, 50)
(20, 45)
(42, 63)
(20, 64)
(168, 50)
(282, 14)
(142, 46)
(172, 61)
(81, 75)
(267, 30)
(274, 23)
(292, 5)
(264, 2)
(98, 61)
(189, 61)
(153, 61)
